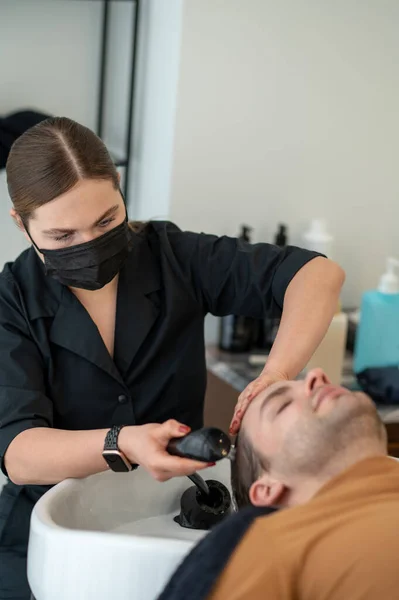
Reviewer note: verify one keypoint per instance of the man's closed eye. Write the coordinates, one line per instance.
(283, 406)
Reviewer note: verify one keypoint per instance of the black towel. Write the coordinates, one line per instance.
(199, 571)
(12, 127)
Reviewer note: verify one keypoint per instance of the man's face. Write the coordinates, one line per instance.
(302, 427)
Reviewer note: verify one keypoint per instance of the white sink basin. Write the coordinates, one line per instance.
(110, 536)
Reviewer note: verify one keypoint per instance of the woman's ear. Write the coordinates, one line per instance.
(17, 219)
(266, 491)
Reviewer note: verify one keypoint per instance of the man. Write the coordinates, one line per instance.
(317, 453)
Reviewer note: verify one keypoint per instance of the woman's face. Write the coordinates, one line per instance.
(87, 211)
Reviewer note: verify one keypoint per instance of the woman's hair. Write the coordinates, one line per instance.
(246, 468)
(50, 158)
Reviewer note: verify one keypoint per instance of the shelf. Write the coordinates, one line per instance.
(118, 160)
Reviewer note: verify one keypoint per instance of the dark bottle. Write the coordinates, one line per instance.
(267, 332)
(245, 231)
(268, 327)
(281, 236)
(237, 333)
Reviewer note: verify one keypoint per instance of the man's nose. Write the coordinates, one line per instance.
(315, 379)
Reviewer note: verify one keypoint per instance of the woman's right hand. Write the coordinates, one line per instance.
(146, 445)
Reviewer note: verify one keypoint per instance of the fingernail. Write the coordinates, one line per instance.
(211, 464)
(184, 428)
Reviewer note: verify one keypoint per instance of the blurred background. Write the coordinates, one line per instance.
(229, 113)
(255, 112)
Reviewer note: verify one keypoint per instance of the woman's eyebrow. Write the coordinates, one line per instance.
(58, 231)
(107, 213)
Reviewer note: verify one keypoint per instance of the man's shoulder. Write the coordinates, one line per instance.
(205, 563)
(332, 538)
(363, 498)
(257, 566)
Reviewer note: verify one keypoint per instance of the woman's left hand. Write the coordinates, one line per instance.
(267, 378)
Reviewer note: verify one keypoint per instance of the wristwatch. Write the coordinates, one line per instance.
(114, 458)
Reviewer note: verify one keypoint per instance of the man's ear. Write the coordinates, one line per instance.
(266, 491)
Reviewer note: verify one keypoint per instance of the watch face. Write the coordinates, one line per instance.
(116, 461)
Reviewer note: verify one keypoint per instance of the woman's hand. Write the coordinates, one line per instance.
(267, 378)
(145, 445)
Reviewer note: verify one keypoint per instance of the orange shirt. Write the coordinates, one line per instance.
(341, 545)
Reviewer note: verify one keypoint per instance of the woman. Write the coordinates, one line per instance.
(101, 327)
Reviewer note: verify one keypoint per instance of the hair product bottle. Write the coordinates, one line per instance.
(318, 239)
(237, 333)
(377, 337)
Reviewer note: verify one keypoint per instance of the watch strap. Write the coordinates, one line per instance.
(111, 439)
(119, 461)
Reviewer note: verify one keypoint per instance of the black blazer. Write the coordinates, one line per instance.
(55, 370)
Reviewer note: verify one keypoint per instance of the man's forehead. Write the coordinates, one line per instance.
(280, 387)
(261, 400)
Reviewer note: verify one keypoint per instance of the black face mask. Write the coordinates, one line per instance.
(91, 265)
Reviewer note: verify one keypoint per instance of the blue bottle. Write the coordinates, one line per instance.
(377, 337)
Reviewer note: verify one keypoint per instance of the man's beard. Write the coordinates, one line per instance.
(320, 444)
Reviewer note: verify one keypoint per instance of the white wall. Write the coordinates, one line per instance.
(50, 61)
(49, 57)
(289, 110)
(159, 54)
(285, 111)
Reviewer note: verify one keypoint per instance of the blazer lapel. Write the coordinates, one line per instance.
(138, 305)
(74, 330)
(138, 308)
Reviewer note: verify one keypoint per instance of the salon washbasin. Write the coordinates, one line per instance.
(110, 536)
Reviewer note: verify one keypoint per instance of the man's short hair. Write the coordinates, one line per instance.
(246, 468)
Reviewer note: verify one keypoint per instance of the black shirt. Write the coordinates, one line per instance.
(55, 370)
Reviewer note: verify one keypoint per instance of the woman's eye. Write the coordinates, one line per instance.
(63, 238)
(106, 222)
